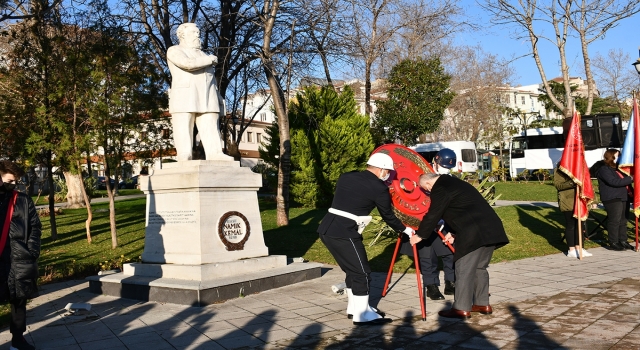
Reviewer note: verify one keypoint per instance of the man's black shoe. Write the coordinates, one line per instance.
(376, 322)
(434, 293)
(626, 245)
(449, 288)
(616, 246)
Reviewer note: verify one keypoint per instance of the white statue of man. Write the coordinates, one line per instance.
(193, 96)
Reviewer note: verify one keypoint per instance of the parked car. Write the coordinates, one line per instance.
(102, 183)
(129, 183)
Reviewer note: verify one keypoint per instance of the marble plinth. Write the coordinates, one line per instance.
(203, 239)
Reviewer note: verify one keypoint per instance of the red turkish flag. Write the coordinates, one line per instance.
(574, 165)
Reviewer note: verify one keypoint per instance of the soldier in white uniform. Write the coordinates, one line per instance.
(357, 193)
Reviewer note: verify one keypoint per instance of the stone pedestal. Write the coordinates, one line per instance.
(203, 239)
(186, 202)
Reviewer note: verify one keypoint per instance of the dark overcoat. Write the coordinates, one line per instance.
(18, 261)
(462, 207)
(611, 182)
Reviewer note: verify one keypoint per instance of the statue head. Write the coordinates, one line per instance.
(189, 35)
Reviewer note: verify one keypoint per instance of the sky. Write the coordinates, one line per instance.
(497, 40)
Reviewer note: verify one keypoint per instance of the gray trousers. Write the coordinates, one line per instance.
(472, 279)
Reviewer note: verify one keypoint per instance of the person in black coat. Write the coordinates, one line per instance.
(479, 231)
(357, 193)
(615, 189)
(20, 247)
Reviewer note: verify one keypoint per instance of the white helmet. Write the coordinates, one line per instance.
(381, 160)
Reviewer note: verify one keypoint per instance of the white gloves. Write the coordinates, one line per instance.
(409, 231)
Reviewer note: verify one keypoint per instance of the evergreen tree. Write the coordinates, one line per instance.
(417, 95)
(328, 138)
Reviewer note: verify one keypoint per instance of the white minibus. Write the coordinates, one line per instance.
(466, 156)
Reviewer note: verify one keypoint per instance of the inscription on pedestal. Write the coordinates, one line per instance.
(234, 230)
(173, 217)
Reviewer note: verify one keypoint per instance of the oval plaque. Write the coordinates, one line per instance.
(234, 230)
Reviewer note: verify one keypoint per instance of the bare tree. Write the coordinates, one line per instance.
(478, 78)
(589, 20)
(15, 10)
(615, 76)
(267, 15)
(376, 25)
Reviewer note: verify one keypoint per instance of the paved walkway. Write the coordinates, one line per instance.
(550, 302)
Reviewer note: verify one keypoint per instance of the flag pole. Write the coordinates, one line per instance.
(633, 93)
(579, 221)
(636, 233)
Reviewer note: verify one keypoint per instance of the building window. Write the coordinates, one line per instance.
(249, 137)
(258, 137)
(522, 98)
(263, 116)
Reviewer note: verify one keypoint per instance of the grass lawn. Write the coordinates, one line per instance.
(530, 191)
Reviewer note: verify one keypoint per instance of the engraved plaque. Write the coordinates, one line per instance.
(234, 230)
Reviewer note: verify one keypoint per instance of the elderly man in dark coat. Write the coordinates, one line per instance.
(20, 249)
(478, 230)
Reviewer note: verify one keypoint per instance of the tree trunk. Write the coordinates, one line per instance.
(75, 188)
(52, 200)
(284, 165)
(112, 206)
(87, 203)
(591, 86)
(367, 89)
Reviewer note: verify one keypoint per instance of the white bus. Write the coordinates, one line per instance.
(543, 150)
(466, 156)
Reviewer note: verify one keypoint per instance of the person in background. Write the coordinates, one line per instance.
(566, 199)
(20, 247)
(432, 248)
(615, 190)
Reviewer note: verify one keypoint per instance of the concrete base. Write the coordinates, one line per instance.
(201, 293)
(205, 271)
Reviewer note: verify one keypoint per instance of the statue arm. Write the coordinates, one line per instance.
(181, 60)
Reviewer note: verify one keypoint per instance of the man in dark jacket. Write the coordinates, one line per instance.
(478, 230)
(20, 247)
(357, 193)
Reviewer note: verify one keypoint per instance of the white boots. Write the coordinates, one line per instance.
(363, 314)
(349, 303)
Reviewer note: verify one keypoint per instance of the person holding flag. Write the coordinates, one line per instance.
(573, 165)
(614, 193)
(566, 203)
(627, 160)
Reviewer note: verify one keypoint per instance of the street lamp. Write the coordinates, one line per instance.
(525, 119)
(637, 63)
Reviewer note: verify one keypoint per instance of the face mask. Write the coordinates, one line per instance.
(9, 186)
(443, 170)
(386, 177)
(615, 160)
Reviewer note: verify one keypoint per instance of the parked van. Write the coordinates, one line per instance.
(466, 156)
